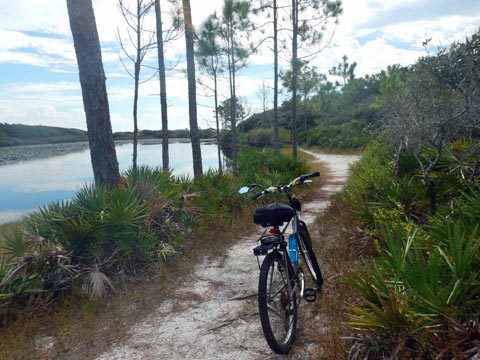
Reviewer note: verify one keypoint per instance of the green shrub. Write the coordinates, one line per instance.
(419, 293)
(262, 137)
(420, 296)
(267, 167)
(368, 179)
(349, 135)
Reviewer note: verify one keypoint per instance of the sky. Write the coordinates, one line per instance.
(39, 76)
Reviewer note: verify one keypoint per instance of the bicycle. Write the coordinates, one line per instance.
(281, 283)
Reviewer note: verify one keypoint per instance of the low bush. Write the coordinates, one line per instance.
(267, 167)
(349, 135)
(420, 293)
(264, 137)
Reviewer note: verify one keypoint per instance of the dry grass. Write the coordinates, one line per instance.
(331, 242)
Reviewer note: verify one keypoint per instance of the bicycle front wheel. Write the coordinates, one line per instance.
(277, 303)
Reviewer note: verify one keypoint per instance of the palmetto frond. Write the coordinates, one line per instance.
(97, 283)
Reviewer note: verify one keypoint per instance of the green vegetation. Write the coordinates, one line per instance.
(262, 137)
(89, 244)
(420, 293)
(337, 115)
(348, 135)
(415, 198)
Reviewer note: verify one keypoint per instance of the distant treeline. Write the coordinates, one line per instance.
(17, 134)
(157, 134)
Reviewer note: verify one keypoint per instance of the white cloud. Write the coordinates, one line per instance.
(55, 104)
(37, 33)
(120, 122)
(49, 16)
(390, 44)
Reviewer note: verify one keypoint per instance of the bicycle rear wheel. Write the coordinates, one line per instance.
(306, 249)
(277, 303)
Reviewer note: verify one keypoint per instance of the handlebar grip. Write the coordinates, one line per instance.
(257, 195)
(314, 174)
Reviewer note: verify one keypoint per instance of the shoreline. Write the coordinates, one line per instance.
(159, 140)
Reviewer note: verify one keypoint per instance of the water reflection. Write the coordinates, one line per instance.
(27, 185)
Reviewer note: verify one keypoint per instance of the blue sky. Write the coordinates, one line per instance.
(39, 76)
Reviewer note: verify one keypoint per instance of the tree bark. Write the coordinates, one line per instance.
(215, 93)
(305, 113)
(163, 86)
(95, 99)
(276, 140)
(294, 75)
(233, 102)
(135, 122)
(138, 61)
(192, 91)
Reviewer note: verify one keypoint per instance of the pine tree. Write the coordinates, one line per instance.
(95, 99)
(307, 16)
(209, 54)
(192, 91)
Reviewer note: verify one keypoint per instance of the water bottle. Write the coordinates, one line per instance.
(292, 248)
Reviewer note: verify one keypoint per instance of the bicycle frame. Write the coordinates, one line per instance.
(296, 274)
(280, 295)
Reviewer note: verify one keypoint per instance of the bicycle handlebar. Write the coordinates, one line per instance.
(299, 180)
(302, 178)
(311, 175)
(257, 195)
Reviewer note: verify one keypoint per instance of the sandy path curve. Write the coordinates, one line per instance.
(214, 315)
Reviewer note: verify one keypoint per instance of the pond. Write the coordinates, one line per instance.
(33, 176)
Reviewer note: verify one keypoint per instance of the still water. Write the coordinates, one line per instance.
(33, 176)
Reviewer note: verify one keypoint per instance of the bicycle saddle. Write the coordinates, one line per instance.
(273, 214)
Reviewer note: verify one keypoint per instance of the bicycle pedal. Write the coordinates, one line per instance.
(310, 294)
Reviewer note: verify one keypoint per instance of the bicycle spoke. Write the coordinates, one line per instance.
(275, 311)
(288, 323)
(278, 292)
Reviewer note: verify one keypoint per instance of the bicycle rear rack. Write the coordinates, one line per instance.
(267, 243)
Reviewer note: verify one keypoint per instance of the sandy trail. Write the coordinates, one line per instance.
(214, 315)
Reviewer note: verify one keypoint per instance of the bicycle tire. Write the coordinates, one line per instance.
(306, 249)
(277, 307)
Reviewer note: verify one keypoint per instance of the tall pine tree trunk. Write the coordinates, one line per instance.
(305, 113)
(233, 101)
(138, 61)
(294, 75)
(95, 100)
(135, 122)
(163, 86)
(192, 91)
(276, 141)
(215, 93)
